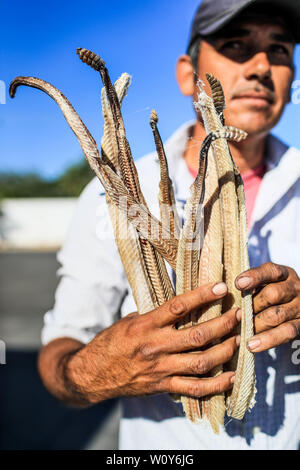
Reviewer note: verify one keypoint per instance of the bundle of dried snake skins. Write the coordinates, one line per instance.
(217, 200)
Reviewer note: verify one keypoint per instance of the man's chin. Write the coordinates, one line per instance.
(252, 121)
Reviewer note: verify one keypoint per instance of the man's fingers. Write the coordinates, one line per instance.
(194, 387)
(274, 294)
(202, 362)
(275, 337)
(205, 333)
(265, 274)
(275, 316)
(171, 312)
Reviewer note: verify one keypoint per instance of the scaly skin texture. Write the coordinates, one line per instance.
(211, 268)
(220, 254)
(166, 198)
(190, 273)
(130, 251)
(234, 223)
(161, 287)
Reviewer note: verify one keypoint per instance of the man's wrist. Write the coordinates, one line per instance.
(73, 377)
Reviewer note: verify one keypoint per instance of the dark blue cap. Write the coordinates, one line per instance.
(213, 15)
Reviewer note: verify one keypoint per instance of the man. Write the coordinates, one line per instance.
(88, 357)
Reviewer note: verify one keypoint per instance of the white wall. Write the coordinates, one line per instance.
(34, 224)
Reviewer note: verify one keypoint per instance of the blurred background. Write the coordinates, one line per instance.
(42, 172)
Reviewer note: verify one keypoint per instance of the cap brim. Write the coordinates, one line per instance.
(292, 7)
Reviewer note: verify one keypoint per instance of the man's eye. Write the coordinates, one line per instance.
(235, 50)
(235, 45)
(279, 49)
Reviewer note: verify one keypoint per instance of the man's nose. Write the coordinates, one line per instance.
(258, 67)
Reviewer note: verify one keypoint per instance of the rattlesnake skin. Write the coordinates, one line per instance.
(210, 247)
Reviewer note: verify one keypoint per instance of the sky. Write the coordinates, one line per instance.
(141, 37)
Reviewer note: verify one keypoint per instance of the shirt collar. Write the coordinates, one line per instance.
(275, 149)
(175, 146)
(179, 173)
(283, 172)
(283, 169)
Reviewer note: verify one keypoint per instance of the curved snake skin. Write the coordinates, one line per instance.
(216, 205)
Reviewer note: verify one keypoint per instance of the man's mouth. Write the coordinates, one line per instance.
(256, 97)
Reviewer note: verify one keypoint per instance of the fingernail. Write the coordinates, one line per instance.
(238, 340)
(232, 380)
(220, 289)
(254, 344)
(244, 282)
(239, 314)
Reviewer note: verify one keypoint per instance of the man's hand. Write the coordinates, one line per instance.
(276, 304)
(143, 355)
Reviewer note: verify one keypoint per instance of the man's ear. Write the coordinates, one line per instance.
(185, 75)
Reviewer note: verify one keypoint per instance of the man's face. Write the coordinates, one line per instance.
(254, 62)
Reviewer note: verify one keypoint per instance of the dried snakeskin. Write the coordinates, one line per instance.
(216, 205)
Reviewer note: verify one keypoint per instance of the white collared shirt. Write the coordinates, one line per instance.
(94, 290)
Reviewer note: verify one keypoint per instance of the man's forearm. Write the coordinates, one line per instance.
(53, 368)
